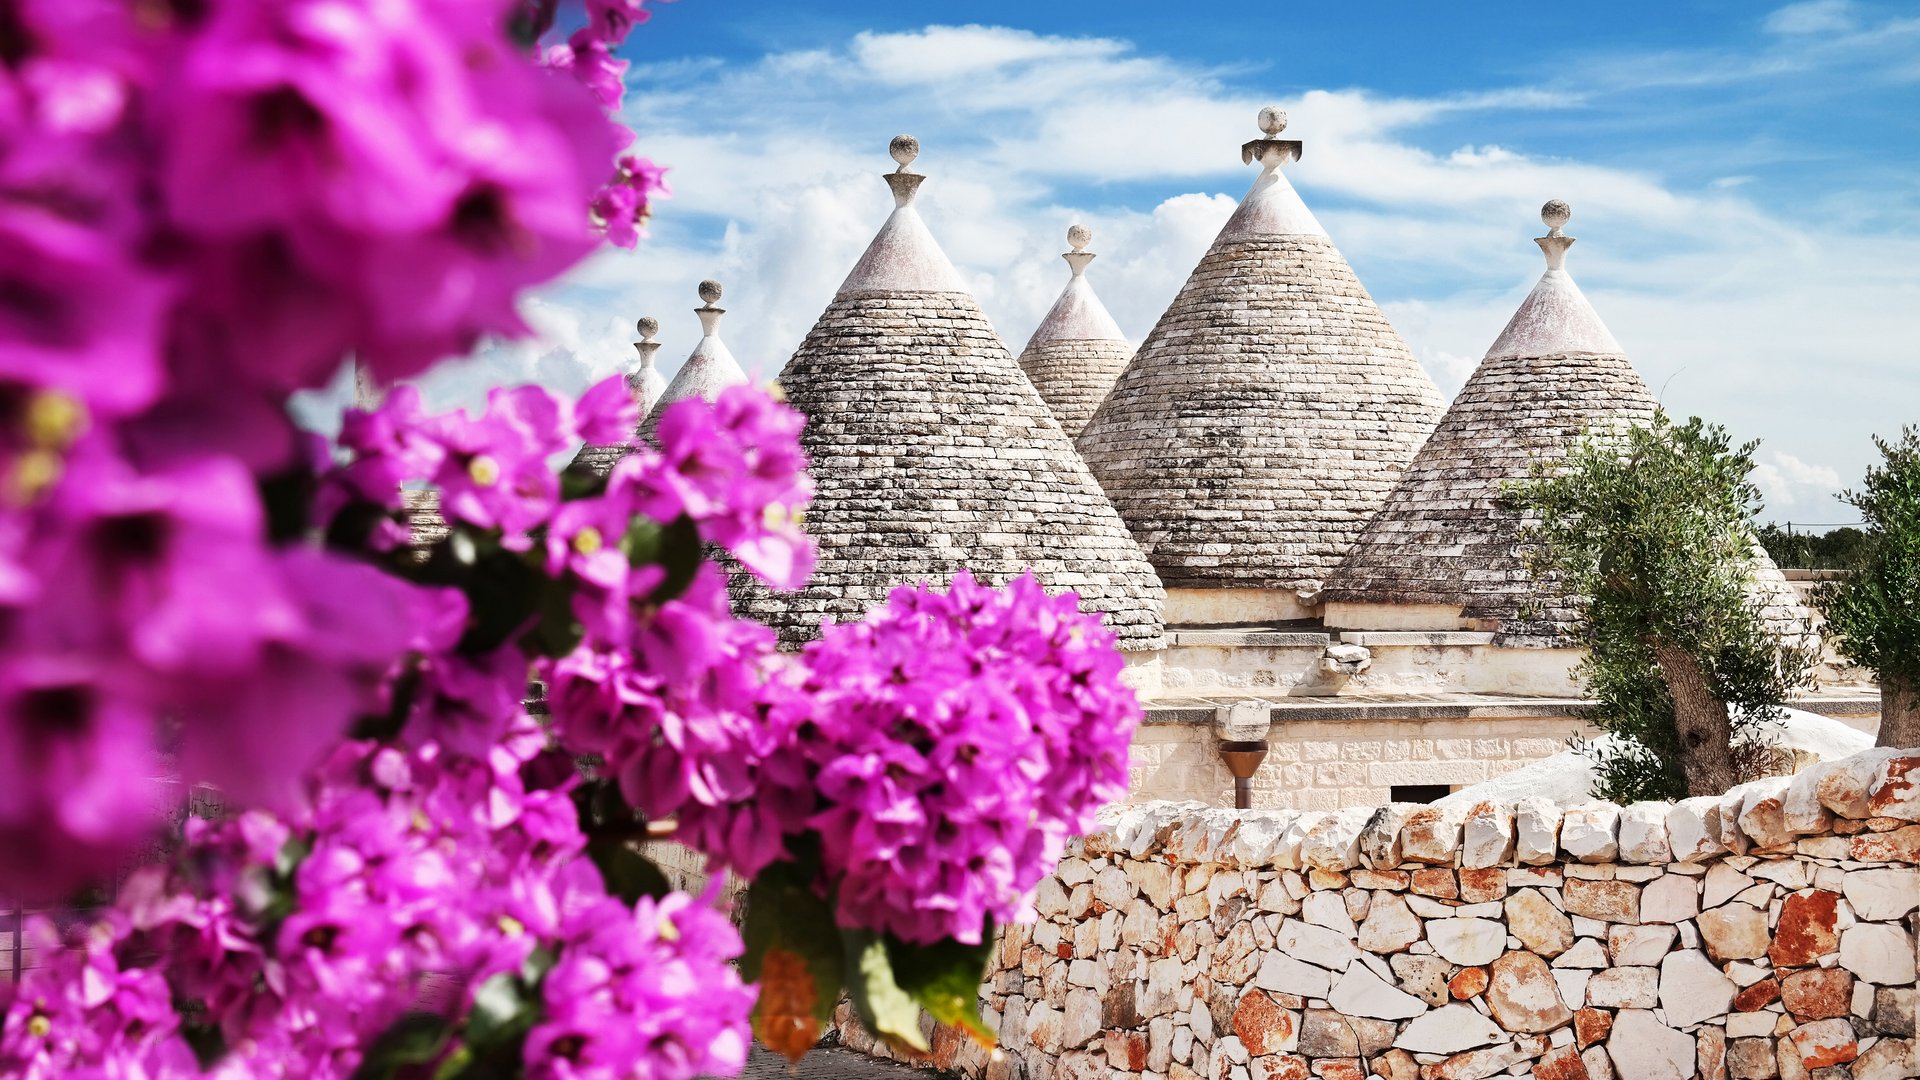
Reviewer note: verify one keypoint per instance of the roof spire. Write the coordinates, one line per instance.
(644, 382)
(1271, 207)
(1078, 237)
(903, 257)
(1555, 318)
(1272, 151)
(1555, 214)
(709, 315)
(905, 185)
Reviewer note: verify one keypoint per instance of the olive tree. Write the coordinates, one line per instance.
(1649, 530)
(1874, 613)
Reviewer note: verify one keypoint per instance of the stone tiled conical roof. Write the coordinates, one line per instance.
(1443, 538)
(1078, 351)
(931, 452)
(646, 387)
(1267, 415)
(709, 369)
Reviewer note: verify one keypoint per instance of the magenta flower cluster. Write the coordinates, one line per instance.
(206, 206)
(956, 741)
(203, 208)
(418, 880)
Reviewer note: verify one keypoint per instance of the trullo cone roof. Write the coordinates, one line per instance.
(1554, 374)
(1078, 351)
(1267, 415)
(932, 452)
(645, 386)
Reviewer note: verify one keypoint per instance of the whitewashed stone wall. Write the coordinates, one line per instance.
(1765, 934)
(1324, 765)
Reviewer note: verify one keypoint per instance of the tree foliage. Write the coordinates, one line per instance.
(1844, 548)
(1649, 528)
(1875, 612)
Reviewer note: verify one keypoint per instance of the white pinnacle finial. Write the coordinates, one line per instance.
(1078, 237)
(1555, 244)
(648, 326)
(710, 291)
(904, 149)
(1273, 121)
(1555, 214)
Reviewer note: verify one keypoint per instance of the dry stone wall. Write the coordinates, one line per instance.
(1767, 934)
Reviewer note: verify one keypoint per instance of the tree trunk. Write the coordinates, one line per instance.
(1899, 712)
(1700, 720)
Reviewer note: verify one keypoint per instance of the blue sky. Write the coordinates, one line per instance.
(1743, 178)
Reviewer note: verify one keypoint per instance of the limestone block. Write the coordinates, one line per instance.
(1326, 1034)
(1762, 810)
(1624, 988)
(1487, 837)
(1645, 1049)
(1286, 850)
(1536, 825)
(1315, 945)
(1112, 887)
(1360, 992)
(1806, 928)
(1586, 953)
(1539, 925)
(1155, 882)
(1751, 1059)
(1425, 977)
(1607, 901)
(1895, 792)
(1380, 839)
(1247, 720)
(1572, 983)
(1722, 882)
(1671, 898)
(1448, 1029)
(1818, 993)
(1824, 1042)
(1328, 909)
(1692, 989)
(1801, 808)
(1263, 1027)
(1888, 1059)
(1431, 835)
(1523, 995)
(1080, 1019)
(1847, 788)
(1896, 1011)
(1880, 953)
(1467, 941)
(1693, 829)
(1284, 974)
(1638, 946)
(1642, 833)
(1259, 834)
(1599, 1065)
(1587, 832)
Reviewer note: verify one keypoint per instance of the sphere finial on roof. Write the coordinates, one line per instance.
(710, 291)
(1555, 214)
(904, 149)
(1270, 150)
(648, 326)
(1273, 121)
(1078, 237)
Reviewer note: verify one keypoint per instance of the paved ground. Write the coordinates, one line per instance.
(829, 1063)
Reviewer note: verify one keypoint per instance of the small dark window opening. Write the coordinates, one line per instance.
(1420, 793)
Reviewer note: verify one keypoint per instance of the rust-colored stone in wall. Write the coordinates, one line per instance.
(1263, 1026)
(1439, 884)
(1607, 901)
(1591, 1026)
(1470, 982)
(1818, 994)
(1758, 996)
(1561, 1063)
(1483, 885)
(1805, 931)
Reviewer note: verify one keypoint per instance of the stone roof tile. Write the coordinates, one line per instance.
(1270, 411)
(931, 452)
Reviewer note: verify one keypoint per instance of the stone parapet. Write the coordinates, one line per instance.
(1767, 933)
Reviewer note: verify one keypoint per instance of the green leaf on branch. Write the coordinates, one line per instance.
(674, 547)
(944, 978)
(887, 1010)
(411, 1041)
(793, 952)
(558, 631)
(628, 874)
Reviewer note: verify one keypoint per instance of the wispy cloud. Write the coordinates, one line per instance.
(1789, 326)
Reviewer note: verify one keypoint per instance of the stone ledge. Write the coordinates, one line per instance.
(1379, 638)
(1247, 638)
(1371, 707)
